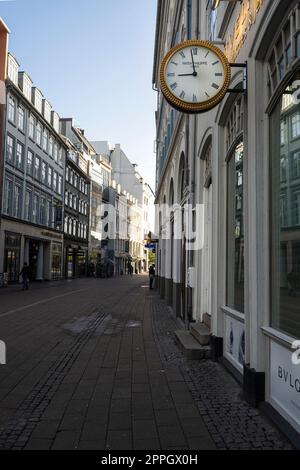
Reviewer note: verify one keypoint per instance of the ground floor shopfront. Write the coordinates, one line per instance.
(75, 260)
(245, 158)
(40, 248)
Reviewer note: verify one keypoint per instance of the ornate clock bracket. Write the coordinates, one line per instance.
(243, 65)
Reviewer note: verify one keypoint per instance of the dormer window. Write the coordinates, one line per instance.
(13, 69)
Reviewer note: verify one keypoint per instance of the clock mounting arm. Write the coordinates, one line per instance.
(244, 66)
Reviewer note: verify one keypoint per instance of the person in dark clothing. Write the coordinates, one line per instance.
(25, 276)
(151, 276)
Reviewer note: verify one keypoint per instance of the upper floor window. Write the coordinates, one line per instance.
(29, 164)
(59, 186)
(37, 164)
(12, 109)
(17, 200)
(44, 172)
(55, 152)
(45, 140)
(21, 118)
(39, 134)
(51, 146)
(19, 155)
(60, 156)
(49, 177)
(8, 192)
(55, 181)
(10, 148)
(31, 126)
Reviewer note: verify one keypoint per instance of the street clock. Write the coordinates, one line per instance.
(194, 76)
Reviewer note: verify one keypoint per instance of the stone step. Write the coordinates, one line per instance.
(201, 333)
(191, 348)
(207, 320)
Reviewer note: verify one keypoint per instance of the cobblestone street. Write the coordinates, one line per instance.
(93, 364)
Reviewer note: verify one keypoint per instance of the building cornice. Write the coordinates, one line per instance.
(11, 86)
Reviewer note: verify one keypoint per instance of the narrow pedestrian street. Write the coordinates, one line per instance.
(93, 364)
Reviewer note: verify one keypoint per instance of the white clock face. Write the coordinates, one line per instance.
(195, 74)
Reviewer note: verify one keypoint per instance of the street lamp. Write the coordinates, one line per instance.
(216, 3)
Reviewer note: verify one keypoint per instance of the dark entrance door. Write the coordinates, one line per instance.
(12, 257)
(33, 256)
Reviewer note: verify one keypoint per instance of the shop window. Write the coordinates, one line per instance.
(235, 229)
(285, 215)
(56, 264)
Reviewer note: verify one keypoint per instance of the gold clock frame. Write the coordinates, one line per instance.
(200, 107)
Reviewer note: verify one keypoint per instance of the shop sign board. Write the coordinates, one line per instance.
(285, 381)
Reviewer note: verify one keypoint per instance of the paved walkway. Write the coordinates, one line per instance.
(92, 364)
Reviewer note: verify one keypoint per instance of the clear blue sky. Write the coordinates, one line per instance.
(93, 60)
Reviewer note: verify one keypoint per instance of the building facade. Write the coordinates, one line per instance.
(33, 181)
(76, 216)
(100, 183)
(239, 164)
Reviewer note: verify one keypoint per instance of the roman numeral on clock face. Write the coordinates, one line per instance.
(195, 99)
(173, 86)
(214, 85)
(170, 74)
(174, 63)
(182, 95)
(182, 54)
(195, 51)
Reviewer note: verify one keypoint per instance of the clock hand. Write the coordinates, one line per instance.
(186, 74)
(195, 73)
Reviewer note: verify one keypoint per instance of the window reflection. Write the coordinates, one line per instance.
(285, 229)
(235, 231)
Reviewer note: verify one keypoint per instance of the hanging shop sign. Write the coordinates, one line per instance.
(195, 76)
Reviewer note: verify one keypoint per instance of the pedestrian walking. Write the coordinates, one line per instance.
(25, 276)
(151, 276)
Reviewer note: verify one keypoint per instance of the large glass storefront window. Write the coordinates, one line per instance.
(56, 261)
(12, 256)
(285, 219)
(235, 230)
